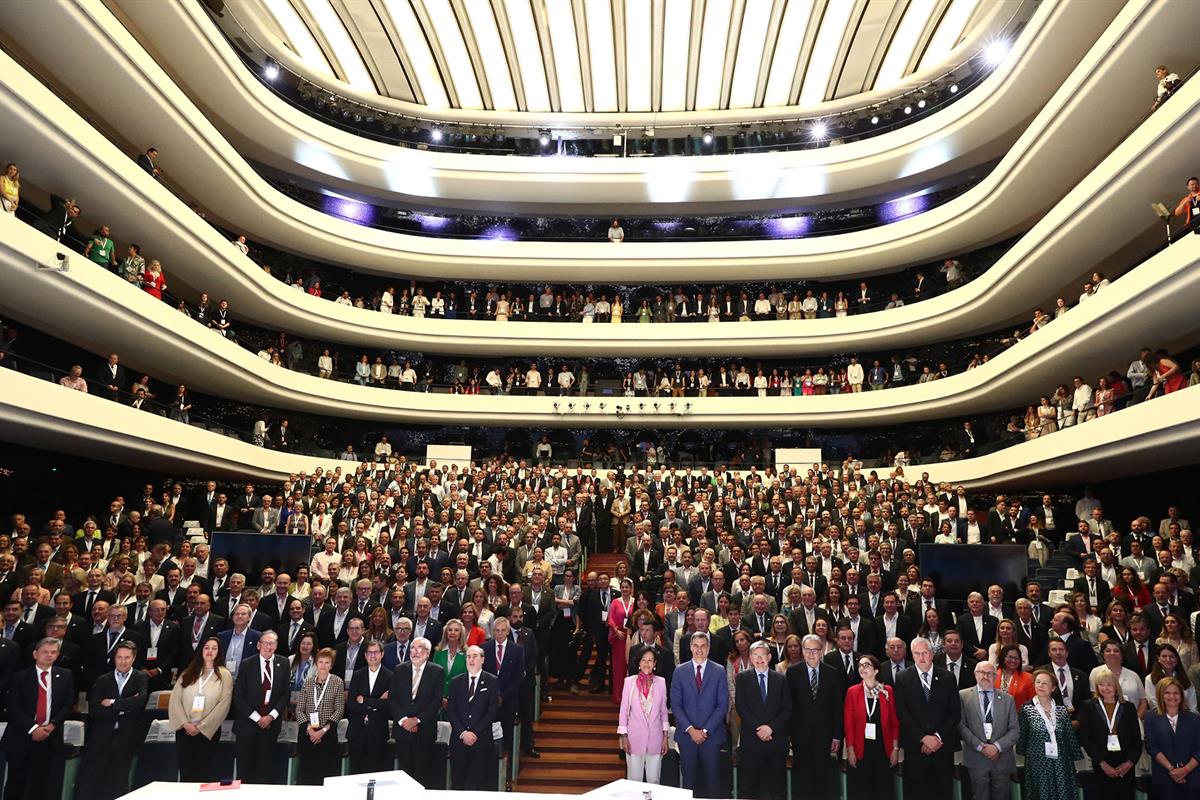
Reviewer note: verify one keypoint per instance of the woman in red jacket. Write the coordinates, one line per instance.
(872, 734)
(153, 281)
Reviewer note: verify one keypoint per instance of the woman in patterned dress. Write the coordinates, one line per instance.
(1048, 743)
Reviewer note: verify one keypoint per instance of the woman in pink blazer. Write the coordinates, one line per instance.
(643, 725)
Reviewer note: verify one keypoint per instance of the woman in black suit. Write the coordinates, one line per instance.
(1109, 734)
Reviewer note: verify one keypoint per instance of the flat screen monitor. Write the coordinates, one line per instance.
(960, 569)
(248, 552)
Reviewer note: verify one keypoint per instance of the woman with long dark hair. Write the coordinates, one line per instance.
(199, 702)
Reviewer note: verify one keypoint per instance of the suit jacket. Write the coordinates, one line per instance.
(391, 658)
(754, 710)
(370, 717)
(970, 637)
(341, 653)
(510, 675)
(1178, 747)
(325, 633)
(22, 709)
(1093, 733)
(122, 719)
(212, 626)
(249, 646)
(425, 706)
(966, 670)
(98, 657)
(41, 615)
(915, 610)
(645, 731)
(284, 631)
(1005, 730)
(837, 660)
(79, 601)
(718, 649)
(798, 621)
(474, 713)
(919, 717)
(1080, 654)
(248, 694)
(705, 707)
(166, 657)
(904, 630)
(816, 722)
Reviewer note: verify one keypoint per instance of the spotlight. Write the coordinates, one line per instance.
(818, 131)
(649, 131)
(570, 406)
(556, 407)
(875, 120)
(954, 88)
(357, 117)
(908, 109)
(707, 134)
(271, 70)
(602, 406)
(920, 104)
(544, 137)
(436, 133)
(586, 407)
(656, 408)
(995, 53)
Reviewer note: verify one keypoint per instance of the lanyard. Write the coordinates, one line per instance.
(204, 680)
(870, 706)
(1112, 721)
(317, 698)
(1049, 722)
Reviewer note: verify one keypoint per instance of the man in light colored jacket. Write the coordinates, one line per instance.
(989, 730)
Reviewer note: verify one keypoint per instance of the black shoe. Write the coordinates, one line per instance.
(533, 753)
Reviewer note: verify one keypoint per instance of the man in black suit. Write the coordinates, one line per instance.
(260, 696)
(157, 529)
(110, 379)
(525, 638)
(10, 656)
(1157, 612)
(116, 706)
(955, 660)
(916, 608)
(415, 714)
(764, 703)
(664, 660)
(18, 631)
(1073, 685)
(718, 648)
(891, 624)
(816, 721)
(351, 655)
(506, 661)
(472, 707)
(1029, 632)
(844, 659)
(33, 739)
(99, 656)
(367, 697)
(163, 646)
(978, 630)
(293, 626)
(59, 221)
(1140, 653)
(585, 521)
(32, 612)
(594, 604)
(81, 602)
(1079, 650)
(196, 628)
(896, 662)
(1095, 588)
(929, 709)
(331, 628)
(805, 617)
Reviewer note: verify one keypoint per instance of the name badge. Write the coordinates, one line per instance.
(604, 616)
(1051, 749)
(198, 704)
(987, 731)
(313, 720)
(152, 654)
(1114, 744)
(869, 732)
(567, 613)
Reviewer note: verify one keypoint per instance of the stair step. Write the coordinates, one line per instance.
(574, 757)
(583, 749)
(577, 774)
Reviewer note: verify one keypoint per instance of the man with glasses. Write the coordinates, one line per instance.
(818, 695)
(989, 732)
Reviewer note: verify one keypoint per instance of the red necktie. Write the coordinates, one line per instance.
(1142, 657)
(699, 677)
(266, 705)
(42, 715)
(196, 630)
(500, 657)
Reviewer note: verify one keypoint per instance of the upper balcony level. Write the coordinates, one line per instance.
(267, 129)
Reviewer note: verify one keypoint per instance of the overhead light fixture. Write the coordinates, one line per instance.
(544, 137)
(707, 134)
(908, 109)
(271, 69)
(954, 88)
(818, 131)
(875, 120)
(436, 133)
(995, 52)
(649, 131)
(920, 104)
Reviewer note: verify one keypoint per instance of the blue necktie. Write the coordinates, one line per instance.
(762, 686)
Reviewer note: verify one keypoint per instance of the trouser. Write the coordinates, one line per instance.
(990, 784)
(104, 766)
(317, 761)
(369, 753)
(255, 749)
(928, 776)
(811, 768)
(195, 755)
(37, 773)
(643, 767)
(528, 690)
(600, 668)
(414, 756)
(761, 771)
(473, 767)
(700, 767)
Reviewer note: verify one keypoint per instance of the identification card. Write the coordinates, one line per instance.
(152, 654)
(314, 720)
(1114, 744)
(869, 732)
(604, 616)
(987, 731)
(198, 704)
(1051, 749)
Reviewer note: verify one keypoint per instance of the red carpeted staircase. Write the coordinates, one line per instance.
(576, 735)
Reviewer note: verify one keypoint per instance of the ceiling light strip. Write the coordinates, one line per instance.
(529, 54)
(750, 47)
(416, 48)
(299, 37)
(713, 38)
(354, 71)
(825, 51)
(601, 54)
(784, 61)
(566, 55)
(904, 41)
(677, 35)
(949, 32)
(454, 51)
(492, 58)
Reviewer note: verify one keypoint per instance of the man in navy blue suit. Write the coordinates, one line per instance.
(33, 740)
(238, 642)
(472, 707)
(700, 700)
(506, 660)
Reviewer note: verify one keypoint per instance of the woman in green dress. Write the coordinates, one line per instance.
(451, 653)
(1048, 743)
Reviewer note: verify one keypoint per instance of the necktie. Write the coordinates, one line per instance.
(266, 687)
(1164, 611)
(473, 680)
(112, 637)
(847, 663)
(925, 684)
(1062, 683)
(1142, 657)
(1028, 633)
(762, 686)
(928, 604)
(699, 677)
(987, 706)
(292, 636)
(42, 714)
(812, 681)
(416, 682)
(29, 614)
(196, 629)
(954, 670)
(499, 656)
(91, 598)
(141, 612)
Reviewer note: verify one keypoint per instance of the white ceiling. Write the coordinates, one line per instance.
(610, 56)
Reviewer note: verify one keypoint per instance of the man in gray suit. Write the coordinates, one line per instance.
(989, 731)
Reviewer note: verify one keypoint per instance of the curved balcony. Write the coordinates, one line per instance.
(973, 131)
(1154, 297)
(1090, 109)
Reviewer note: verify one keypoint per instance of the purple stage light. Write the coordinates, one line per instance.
(788, 227)
(352, 210)
(903, 207)
(500, 233)
(430, 222)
